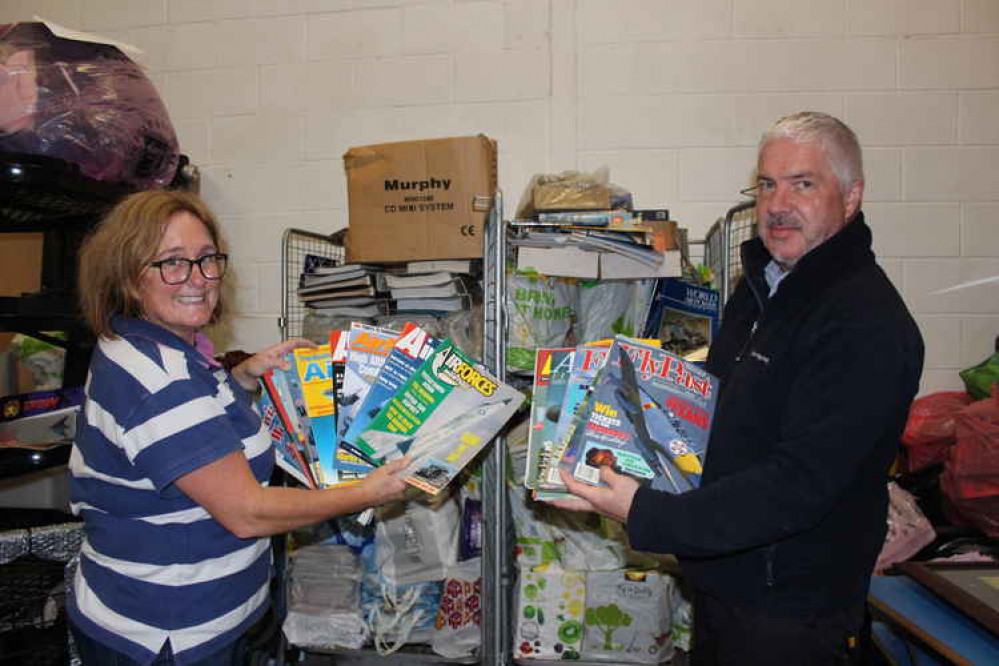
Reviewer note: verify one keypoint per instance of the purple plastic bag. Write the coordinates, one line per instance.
(85, 103)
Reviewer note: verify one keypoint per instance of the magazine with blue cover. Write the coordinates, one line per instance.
(684, 317)
(648, 415)
(410, 350)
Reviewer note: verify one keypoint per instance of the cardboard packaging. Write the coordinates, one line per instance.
(416, 200)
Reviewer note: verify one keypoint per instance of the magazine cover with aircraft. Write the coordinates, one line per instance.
(442, 417)
(367, 348)
(648, 415)
(551, 376)
(409, 352)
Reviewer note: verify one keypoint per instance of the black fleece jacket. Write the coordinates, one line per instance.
(792, 509)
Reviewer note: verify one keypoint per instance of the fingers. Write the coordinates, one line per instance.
(572, 505)
(575, 487)
(395, 466)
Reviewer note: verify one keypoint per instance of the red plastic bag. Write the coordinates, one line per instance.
(971, 473)
(932, 427)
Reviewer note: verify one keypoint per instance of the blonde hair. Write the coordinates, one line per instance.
(117, 251)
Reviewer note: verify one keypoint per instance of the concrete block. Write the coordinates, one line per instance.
(411, 80)
(980, 231)
(980, 16)
(942, 340)
(100, 15)
(949, 63)
(903, 17)
(892, 118)
(502, 75)
(376, 32)
(269, 136)
(261, 41)
(979, 116)
(978, 339)
(915, 230)
(951, 174)
(796, 18)
(625, 21)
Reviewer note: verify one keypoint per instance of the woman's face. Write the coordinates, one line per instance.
(186, 307)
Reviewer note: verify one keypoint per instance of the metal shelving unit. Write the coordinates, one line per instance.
(497, 574)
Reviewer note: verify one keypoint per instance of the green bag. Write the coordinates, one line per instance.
(979, 379)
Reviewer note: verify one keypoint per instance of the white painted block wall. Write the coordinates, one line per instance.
(266, 96)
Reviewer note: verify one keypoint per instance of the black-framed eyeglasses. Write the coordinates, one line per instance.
(750, 191)
(177, 270)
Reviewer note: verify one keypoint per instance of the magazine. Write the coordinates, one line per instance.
(551, 376)
(648, 415)
(277, 389)
(315, 379)
(367, 348)
(285, 450)
(349, 466)
(587, 361)
(409, 352)
(289, 385)
(684, 317)
(442, 417)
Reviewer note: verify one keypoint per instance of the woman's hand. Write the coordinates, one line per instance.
(252, 369)
(613, 501)
(385, 484)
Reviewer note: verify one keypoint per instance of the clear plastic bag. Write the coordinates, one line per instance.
(85, 103)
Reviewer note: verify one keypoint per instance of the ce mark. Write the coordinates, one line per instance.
(468, 230)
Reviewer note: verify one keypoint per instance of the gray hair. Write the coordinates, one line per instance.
(838, 142)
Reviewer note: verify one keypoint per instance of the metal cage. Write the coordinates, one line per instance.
(721, 245)
(296, 246)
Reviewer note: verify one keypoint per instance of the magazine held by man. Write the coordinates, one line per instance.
(647, 415)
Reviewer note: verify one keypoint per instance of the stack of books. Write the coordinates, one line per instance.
(435, 287)
(365, 291)
(607, 244)
(350, 290)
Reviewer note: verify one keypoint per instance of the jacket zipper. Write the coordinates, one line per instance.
(770, 553)
(752, 331)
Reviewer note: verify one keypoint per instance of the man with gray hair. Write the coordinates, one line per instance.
(819, 360)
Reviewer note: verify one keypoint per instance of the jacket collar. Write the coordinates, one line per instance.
(836, 257)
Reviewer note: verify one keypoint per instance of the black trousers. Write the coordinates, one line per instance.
(727, 634)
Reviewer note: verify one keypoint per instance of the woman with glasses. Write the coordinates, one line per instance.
(170, 465)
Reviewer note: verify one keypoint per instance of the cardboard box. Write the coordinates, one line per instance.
(415, 200)
(577, 263)
(560, 261)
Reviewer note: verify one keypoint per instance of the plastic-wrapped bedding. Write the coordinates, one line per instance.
(83, 102)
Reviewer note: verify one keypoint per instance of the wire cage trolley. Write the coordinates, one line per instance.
(297, 245)
(722, 242)
(497, 575)
(35, 547)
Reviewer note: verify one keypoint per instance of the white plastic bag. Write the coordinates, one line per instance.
(627, 618)
(416, 542)
(548, 623)
(458, 628)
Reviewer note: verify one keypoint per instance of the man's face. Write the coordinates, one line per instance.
(799, 203)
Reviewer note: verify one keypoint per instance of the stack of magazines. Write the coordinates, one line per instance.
(621, 403)
(375, 394)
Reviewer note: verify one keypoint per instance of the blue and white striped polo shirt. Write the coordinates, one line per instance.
(155, 565)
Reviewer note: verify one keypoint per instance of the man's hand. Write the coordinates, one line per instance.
(252, 369)
(613, 501)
